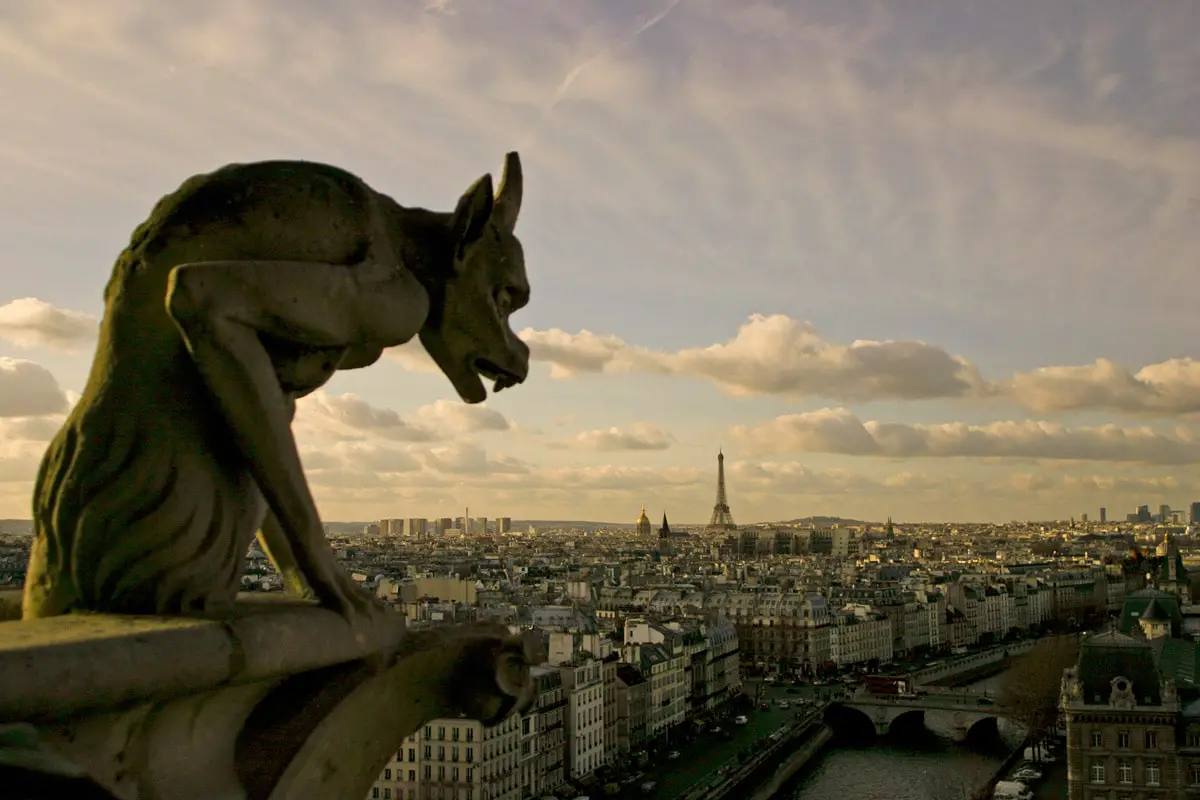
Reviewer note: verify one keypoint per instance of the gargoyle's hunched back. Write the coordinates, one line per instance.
(142, 502)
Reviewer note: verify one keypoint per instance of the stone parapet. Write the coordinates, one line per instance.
(279, 700)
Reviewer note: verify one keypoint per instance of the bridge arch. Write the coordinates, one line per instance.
(906, 721)
(848, 722)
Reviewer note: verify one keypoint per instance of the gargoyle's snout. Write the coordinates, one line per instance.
(509, 370)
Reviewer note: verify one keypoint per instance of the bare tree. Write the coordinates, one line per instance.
(1030, 688)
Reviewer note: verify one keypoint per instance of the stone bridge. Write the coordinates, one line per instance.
(951, 711)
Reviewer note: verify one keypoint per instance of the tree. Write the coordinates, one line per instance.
(1030, 688)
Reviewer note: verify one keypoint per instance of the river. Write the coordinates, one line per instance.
(912, 767)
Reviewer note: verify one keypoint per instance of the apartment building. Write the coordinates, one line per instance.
(455, 759)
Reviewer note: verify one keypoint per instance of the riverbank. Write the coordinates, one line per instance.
(792, 764)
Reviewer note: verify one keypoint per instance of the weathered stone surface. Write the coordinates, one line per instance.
(141, 671)
(177, 708)
(248, 288)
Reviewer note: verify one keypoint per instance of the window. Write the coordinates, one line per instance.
(1097, 773)
(412, 754)
(441, 754)
(428, 732)
(428, 751)
(470, 754)
(1124, 772)
(1097, 739)
(1152, 773)
(428, 772)
(441, 733)
(1193, 738)
(375, 792)
(387, 774)
(412, 777)
(1194, 774)
(1151, 740)
(1123, 740)
(387, 794)
(470, 734)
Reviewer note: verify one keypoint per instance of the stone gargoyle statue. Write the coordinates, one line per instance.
(246, 289)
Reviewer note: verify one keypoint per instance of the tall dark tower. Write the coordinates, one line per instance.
(721, 520)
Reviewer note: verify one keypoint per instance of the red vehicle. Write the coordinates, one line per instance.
(886, 684)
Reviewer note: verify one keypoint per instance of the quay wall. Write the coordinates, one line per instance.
(972, 661)
(792, 765)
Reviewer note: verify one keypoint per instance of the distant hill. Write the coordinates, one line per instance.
(17, 527)
(24, 527)
(825, 522)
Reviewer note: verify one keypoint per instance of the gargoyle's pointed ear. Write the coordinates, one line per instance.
(508, 196)
(472, 213)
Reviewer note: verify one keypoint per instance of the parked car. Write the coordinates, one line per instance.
(784, 704)
(740, 719)
(673, 755)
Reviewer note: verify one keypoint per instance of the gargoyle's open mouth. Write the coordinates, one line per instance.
(504, 378)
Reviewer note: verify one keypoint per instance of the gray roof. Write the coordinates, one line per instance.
(1106, 656)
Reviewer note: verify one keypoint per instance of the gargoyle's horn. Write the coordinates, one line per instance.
(508, 196)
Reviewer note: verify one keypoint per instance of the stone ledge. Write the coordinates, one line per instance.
(279, 700)
(58, 667)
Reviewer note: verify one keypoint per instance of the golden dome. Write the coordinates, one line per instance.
(643, 518)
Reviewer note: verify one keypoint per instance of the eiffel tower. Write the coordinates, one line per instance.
(722, 519)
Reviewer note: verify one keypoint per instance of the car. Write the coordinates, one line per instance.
(784, 704)
(673, 755)
(764, 706)
(715, 729)
(740, 719)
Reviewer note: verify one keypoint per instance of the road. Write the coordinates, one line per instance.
(699, 761)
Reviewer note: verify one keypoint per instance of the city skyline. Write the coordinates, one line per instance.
(930, 266)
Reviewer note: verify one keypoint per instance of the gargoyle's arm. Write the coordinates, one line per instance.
(221, 308)
(275, 543)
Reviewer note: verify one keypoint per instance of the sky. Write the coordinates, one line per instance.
(913, 259)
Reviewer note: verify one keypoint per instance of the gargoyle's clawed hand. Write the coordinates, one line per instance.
(366, 614)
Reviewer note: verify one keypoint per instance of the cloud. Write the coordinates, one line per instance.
(23, 442)
(464, 458)
(349, 418)
(412, 357)
(29, 322)
(777, 355)
(772, 355)
(1167, 388)
(457, 418)
(837, 430)
(347, 415)
(28, 389)
(639, 436)
(769, 355)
